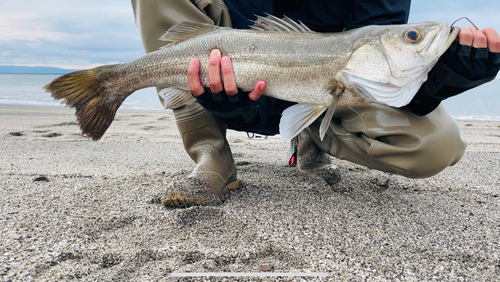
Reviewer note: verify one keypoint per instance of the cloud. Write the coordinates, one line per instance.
(67, 33)
(94, 32)
(24, 28)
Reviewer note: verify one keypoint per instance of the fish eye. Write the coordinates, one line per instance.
(412, 36)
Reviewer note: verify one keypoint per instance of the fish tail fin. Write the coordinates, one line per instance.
(95, 104)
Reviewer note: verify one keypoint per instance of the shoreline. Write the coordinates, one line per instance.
(64, 107)
(168, 110)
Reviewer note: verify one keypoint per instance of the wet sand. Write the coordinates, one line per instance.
(76, 209)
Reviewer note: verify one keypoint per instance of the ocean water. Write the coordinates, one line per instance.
(26, 90)
(481, 103)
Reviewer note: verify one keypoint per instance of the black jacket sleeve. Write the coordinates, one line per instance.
(384, 12)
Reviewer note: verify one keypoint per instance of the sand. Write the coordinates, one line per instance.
(76, 209)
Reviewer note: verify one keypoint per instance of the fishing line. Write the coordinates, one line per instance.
(466, 19)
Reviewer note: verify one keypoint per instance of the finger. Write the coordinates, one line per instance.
(228, 76)
(493, 39)
(259, 89)
(465, 36)
(193, 75)
(214, 80)
(479, 39)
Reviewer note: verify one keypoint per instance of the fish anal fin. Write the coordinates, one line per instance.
(272, 23)
(297, 117)
(185, 30)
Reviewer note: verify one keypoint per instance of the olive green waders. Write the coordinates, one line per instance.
(203, 136)
(375, 136)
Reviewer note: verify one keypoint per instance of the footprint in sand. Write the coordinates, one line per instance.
(149, 127)
(165, 118)
(41, 179)
(17, 133)
(51, 135)
(71, 123)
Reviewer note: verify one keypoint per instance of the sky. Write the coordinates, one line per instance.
(86, 33)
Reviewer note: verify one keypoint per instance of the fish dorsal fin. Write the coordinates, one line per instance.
(272, 23)
(185, 30)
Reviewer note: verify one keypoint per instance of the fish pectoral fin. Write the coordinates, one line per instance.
(175, 98)
(297, 117)
(325, 123)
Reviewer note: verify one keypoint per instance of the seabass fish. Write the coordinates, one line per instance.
(383, 64)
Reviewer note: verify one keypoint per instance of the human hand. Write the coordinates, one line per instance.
(486, 38)
(217, 84)
(477, 55)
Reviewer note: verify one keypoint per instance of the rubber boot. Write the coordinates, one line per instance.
(312, 160)
(205, 142)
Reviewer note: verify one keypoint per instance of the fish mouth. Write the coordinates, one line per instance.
(445, 38)
(448, 35)
(452, 34)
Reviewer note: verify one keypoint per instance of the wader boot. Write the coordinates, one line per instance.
(205, 142)
(312, 160)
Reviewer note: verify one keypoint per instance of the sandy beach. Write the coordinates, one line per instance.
(73, 209)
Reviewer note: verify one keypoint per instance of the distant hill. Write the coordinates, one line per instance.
(31, 70)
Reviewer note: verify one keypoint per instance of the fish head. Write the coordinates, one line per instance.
(390, 63)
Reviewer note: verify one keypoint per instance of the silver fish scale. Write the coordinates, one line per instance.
(296, 66)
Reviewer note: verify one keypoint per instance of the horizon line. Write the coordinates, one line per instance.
(64, 67)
